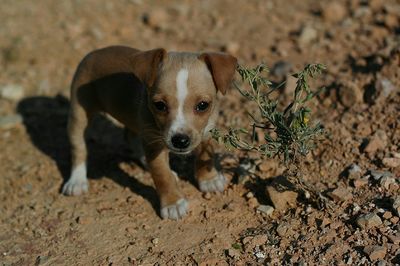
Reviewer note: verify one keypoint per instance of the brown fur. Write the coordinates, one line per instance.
(124, 82)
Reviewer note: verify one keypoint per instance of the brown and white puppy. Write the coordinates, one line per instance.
(169, 100)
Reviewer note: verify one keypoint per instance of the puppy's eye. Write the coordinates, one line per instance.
(202, 106)
(160, 106)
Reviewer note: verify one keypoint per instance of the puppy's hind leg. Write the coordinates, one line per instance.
(77, 184)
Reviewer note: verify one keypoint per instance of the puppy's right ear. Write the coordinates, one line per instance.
(146, 64)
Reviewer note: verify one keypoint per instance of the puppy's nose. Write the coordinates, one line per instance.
(180, 141)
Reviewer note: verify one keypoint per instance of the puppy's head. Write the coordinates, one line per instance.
(184, 96)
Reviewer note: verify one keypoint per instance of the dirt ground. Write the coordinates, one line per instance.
(356, 168)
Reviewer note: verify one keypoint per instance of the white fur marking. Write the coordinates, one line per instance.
(79, 172)
(181, 91)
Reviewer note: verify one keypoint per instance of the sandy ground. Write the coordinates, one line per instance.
(117, 222)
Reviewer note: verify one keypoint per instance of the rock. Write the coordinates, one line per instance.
(376, 4)
(267, 165)
(387, 181)
(207, 195)
(231, 48)
(156, 18)
(334, 12)
(253, 203)
(281, 200)
(41, 260)
(155, 241)
(354, 171)
(281, 69)
(258, 240)
(395, 238)
(378, 141)
(396, 205)
(369, 220)
(233, 253)
(12, 92)
(249, 195)
(84, 220)
(376, 175)
(375, 252)
(307, 35)
(358, 183)
(10, 121)
(283, 230)
(341, 194)
(391, 162)
(268, 210)
(350, 95)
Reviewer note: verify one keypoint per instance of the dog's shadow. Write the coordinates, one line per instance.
(45, 119)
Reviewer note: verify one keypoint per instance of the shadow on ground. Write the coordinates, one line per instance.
(45, 119)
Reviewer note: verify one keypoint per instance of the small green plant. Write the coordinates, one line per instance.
(287, 132)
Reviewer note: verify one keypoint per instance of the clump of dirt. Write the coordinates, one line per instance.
(356, 169)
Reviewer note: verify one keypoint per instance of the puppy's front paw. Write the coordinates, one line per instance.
(175, 211)
(215, 184)
(75, 187)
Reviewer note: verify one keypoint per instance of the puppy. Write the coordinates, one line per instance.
(168, 100)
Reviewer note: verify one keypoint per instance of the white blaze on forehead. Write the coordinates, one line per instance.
(181, 92)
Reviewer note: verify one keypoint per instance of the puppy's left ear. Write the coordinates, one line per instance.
(146, 65)
(222, 67)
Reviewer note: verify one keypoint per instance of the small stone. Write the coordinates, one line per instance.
(41, 260)
(384, 87)
(387, 215)
(253, 203)
(267, 166)
(281, 200)
(387, 181)
(156, 17)
(369, 220)
(377, 142)
(281, 69)
(341, 194)
(334, 12)
(394, 219)
(84, 220)
(350, 94)
(283, 230)
(376, 175)
(307, 35)
(155, 241)
(268, 210)
(231, 48)
(395, 239)
(258, 240)
(376, 4)
(354, 171)
(375, 252)
(391, 162)
(10, 121)
(233, 253)
(249, 195)
(207, 195)
(358, 183)
(396, 205)
(12, 92)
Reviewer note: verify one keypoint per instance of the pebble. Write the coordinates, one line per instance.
(396, 205)
(375, 252)
(369, 220)
(249, 195)
(41, 260)
(281, 200)
(358, 183)
(253, 203)
(231, 48)
(156, 18)
(281, 69)
(233, 253)
(341, 194)
(378, 141)
(391, 162)
(267, 209)
(84, 220)
(354, 171)
(387, 181)
(334, 12)
(384, 87)
(307, 35)
(350, 94)
(155, 241)
(12, 92)
(10, 121)
(207, 195)
(376, 175)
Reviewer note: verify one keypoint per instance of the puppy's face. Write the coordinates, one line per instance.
(184, 101)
